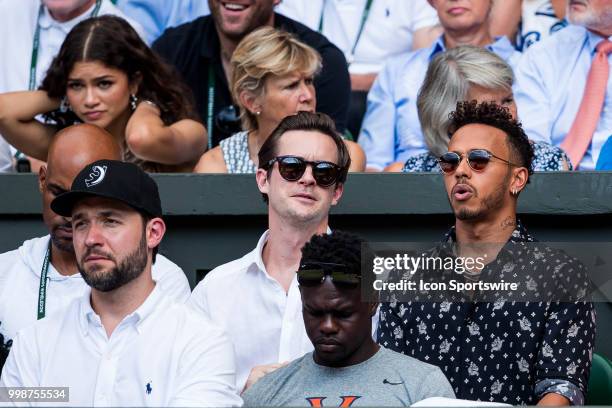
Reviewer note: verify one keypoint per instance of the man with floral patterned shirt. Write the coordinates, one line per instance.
(517, 352)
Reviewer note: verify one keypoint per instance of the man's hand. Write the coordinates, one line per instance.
(259, 371)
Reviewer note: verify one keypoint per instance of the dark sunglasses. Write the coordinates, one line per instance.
(314, 273)
(477, 160)
(292, 168)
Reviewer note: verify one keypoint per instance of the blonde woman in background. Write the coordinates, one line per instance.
(271, 77)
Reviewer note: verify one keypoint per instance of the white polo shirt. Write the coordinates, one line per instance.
(163, 354)
(263, 322)
(388, 30)
(20, 283)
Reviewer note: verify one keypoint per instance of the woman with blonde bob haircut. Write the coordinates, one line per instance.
(272, 78)
(466, 73)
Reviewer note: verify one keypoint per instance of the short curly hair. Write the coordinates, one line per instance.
(345, 248)
(491, 114)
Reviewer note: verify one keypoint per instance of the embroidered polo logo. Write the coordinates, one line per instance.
(385, 381)
(96, 176)
(347, 401)
(149, 389)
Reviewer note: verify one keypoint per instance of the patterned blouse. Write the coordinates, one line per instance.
(236, 154)
(546, 158)
(504, 351)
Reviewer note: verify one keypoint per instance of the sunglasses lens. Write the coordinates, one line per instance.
(478, 159)
(291, 168)
(310, 277)
(345, 279)
(325, 174)
(449, 162)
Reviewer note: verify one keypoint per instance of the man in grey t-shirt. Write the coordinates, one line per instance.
(347, 368)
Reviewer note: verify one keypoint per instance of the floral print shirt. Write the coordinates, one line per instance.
(504, 351)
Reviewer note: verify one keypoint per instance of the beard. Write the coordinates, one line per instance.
(490, 203)
(590, 18)
(63, 244)
(131, 267)
(258, 18)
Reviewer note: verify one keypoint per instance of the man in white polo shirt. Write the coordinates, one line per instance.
(302, 168)
(24, 296)
(125, 342)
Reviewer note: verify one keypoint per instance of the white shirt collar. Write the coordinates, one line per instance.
(87, 316)
(257, 253)
(258, 262)
(594, 39)
(46, 20)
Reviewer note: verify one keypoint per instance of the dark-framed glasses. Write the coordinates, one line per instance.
(314, 273)
(292, 168)
(477, 159)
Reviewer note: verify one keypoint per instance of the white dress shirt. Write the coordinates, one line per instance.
(550, 82)
(162, 354)
(263, 322)
(388, 30)
(20, 282)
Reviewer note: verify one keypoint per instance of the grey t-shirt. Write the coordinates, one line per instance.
(386, 379)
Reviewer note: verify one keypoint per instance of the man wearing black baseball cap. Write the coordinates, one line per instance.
(125, 343)
(41, 275)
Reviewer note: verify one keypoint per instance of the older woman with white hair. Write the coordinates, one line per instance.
(272, 78)
(467, 73)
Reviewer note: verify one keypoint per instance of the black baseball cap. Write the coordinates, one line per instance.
(113, 179)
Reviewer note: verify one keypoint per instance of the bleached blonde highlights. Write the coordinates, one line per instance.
(263, 53)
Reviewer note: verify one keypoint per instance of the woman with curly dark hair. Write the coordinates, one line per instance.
(104, 74)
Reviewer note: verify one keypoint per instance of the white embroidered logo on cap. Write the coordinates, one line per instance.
(96, 176)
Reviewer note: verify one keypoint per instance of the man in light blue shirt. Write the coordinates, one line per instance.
(391, 129)
(552, 75)
(157, 15)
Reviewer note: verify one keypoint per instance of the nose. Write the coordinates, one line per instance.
(463, 170)
(91, 97)
(306, 93)
(328, 325)
(93, 236)
(307, 178)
